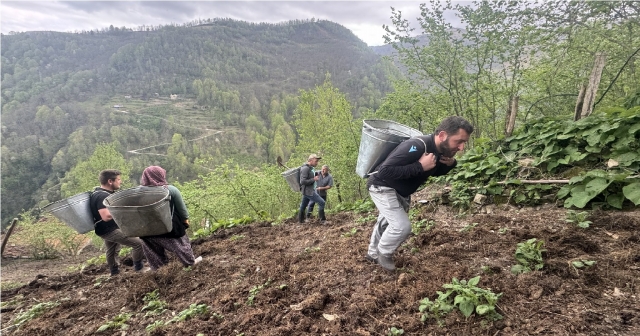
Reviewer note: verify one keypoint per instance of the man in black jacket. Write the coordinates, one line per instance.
(406, 168)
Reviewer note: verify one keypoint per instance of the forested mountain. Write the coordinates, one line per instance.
(191, 97)
(58, 90)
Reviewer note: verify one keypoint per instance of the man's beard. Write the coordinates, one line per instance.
(445, 150)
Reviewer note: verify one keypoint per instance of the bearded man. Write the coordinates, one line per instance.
(406, 168)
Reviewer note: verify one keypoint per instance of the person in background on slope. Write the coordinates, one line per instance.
(406, 168)
(324, 183)
(308, 180)
(175, 241)
(106, 228)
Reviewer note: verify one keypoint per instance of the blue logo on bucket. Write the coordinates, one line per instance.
(413, 149)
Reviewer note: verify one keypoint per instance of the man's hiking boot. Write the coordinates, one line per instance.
(386, 262)
(138, 265)
(115, 270)
(369, 258)
(323, 219)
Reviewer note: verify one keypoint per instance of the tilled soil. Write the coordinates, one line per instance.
(292, 279)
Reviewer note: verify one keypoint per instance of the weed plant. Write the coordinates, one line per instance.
(153, 305)
(118, 322)
(529, 256)
(193, 310)
(466, 297)
(578, 218)
(422, 225)
(350, 233)
(253, 292)
(33, 312)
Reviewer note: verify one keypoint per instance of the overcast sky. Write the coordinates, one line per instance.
(363, 18)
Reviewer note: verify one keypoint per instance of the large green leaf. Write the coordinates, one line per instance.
(483, 309)
(627, 159)
(466, 308)
(564, 191)
(615, 200)
(632, 192)
(580, 195)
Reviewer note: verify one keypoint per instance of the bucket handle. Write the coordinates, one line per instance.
(425, 152)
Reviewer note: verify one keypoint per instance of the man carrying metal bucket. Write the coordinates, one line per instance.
(406, 168)
(106, 228)
(308, 179)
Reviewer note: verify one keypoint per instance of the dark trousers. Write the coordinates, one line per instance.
(312, 203)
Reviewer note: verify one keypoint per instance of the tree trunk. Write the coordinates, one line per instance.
(507, 116)
(6, 236)
(512, 116)
(579, 102)
(592, 87)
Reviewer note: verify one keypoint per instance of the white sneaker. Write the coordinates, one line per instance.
(197, 260)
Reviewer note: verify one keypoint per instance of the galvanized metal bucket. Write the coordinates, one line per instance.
(141, 211)
(73, 211)
(292, 176)
(379, 138)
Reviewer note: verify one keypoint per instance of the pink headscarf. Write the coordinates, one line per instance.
(154, 176)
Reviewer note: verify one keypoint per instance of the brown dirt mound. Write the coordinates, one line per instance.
(293, 279)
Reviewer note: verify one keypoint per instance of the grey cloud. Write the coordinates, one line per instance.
(363, 17)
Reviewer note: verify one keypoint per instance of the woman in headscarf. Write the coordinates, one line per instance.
(175, 241)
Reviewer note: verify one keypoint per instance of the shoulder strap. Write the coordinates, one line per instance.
(425, 150)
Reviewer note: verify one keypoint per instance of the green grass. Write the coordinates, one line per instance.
(9, 285)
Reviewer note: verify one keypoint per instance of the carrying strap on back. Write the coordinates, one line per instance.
(425, 151)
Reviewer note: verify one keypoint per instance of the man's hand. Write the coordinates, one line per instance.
(449, 161)
(428, 161)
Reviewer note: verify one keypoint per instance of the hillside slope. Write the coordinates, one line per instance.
(313, 280)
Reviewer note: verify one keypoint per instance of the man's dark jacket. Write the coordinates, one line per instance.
(401, 169)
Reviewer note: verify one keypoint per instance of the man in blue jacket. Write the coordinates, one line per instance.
(406, 168)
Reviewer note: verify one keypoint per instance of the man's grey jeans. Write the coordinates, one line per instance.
(117, 237)
(393, 225)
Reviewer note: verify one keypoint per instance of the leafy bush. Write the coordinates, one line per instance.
(529, 256)
(231, 191)
(464, 295)
(598, 153)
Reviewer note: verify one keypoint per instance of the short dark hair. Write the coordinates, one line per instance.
(108, 174)
(453, 124)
